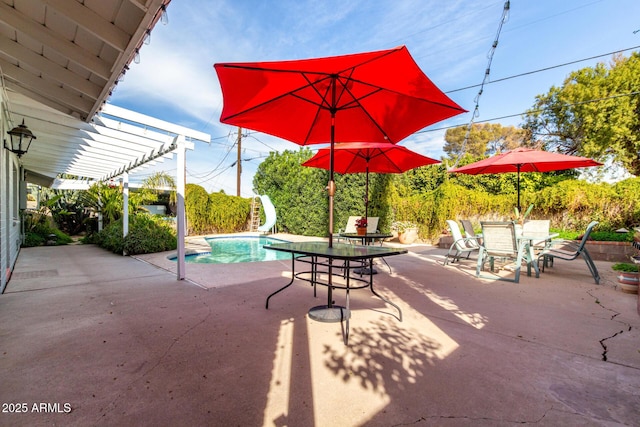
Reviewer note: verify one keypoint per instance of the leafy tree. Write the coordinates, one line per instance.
(296, 191)
(484, 140)
(299, 194)
(595, 113)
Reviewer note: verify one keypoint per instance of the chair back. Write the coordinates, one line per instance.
(468, 228)
(537, 228)
(469, 233)
(351, 224)
(372, 224)
(499, 238)
(586, 235)
(457, 235)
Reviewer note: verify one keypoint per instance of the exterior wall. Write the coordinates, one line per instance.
(10, 222)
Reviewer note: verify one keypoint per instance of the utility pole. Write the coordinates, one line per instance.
(239, 162)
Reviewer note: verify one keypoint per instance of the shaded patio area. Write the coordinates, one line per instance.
(122, 342)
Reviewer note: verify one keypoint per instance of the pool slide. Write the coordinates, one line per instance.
(269, 212)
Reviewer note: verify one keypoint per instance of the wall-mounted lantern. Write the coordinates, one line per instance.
(21, 138)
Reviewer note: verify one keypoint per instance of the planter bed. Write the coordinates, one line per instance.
(611, 251)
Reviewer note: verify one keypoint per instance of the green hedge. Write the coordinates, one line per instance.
(430, 195)
(215, 212)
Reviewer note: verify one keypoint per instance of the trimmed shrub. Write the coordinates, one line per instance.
(149, 235)
(146, 235)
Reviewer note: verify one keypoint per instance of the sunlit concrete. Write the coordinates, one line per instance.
(122, 342)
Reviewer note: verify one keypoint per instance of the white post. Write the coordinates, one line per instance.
(180, 212)
(125, 206)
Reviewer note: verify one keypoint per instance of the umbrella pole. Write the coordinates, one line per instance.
(518, 186)
(330, 312)
(366, 195)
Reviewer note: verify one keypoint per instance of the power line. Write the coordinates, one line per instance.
(538, 110)
(544, 69)
(476, 113)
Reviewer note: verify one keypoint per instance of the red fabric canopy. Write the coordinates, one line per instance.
(355, 157)
(378, 96)
(380, 157)
(526, 160)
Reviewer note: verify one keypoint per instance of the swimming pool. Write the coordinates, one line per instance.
(233, 249)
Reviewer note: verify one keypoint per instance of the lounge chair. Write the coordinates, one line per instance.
(568, 250)
(499, 241)
(461, 244)
(470, 233)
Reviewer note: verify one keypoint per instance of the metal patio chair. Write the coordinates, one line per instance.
(461, 244)
(569, 250)
(499, 241)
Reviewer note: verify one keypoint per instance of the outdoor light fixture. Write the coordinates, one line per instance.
(21, 138)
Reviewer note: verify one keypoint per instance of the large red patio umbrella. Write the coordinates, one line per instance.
(365, 157)
(525, 160)
(380, 96)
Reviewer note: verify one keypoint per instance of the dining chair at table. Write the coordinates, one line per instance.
(350, 227)
(461, 245)
(372, 224)
(499, 241)
(569, 251)
(539, 231)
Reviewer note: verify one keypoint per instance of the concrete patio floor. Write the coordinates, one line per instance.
(102, 339)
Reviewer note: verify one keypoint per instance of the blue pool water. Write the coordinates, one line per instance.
(228, 250)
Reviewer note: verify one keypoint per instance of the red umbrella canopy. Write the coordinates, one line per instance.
(381, 157)
(526, 160)
(378, 96)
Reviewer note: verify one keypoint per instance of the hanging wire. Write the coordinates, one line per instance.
(485, 80)
(539, 70)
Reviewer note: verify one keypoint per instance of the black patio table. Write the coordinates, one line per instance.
(319, 254)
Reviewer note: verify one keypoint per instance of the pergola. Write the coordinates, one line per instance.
(60, 60)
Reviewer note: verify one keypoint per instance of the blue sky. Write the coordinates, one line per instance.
(450, 40)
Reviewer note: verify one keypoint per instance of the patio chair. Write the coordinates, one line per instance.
(537, 228)
(569, 251)
(470, 233)
(499, 241)
(372, 227)
(461, 244)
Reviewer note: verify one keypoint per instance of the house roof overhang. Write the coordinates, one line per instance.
(60, 60)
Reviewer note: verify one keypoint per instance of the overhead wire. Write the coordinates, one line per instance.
(537, 110)
(544, 69)
(476, 111)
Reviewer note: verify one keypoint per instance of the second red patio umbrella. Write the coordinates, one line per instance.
(365, 157)
(525, 160)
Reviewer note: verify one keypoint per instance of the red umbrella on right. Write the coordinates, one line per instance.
(525, 160)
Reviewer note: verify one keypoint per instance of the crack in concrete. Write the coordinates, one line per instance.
(605, 349)
(466, 417)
